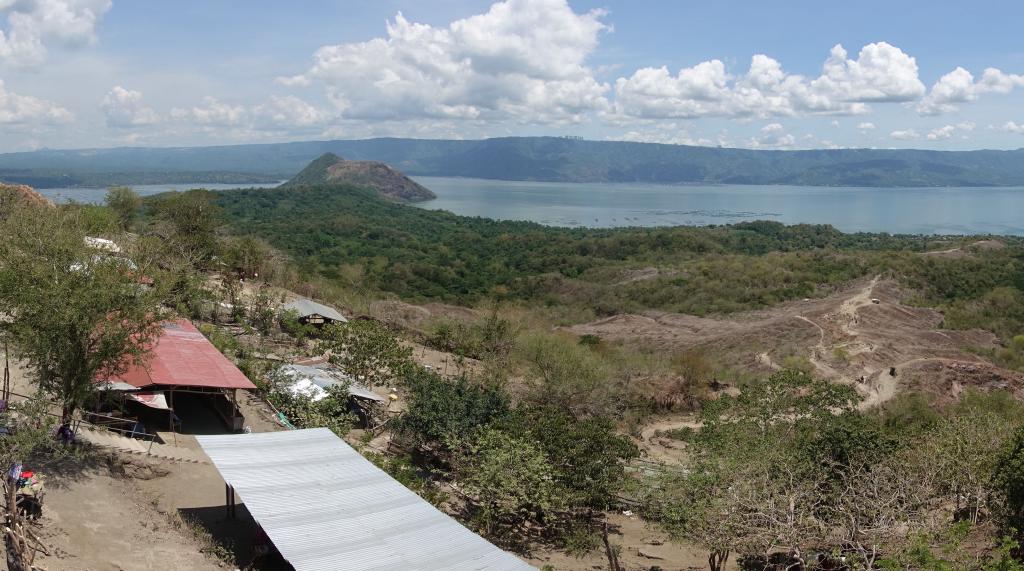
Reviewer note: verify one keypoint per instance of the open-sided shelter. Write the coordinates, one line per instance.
(326, 507)
(184, 361)
(314, 313)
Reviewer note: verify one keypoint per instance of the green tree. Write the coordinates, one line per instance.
(749, 487)
(368, 351)
(447, 412)
(571, 376)
(245, 256)
(509, 482)
(290, 324)
(589, 458)
(192, 219)
(125, 203)
(75, 315)
(1008, 481)
(962, 453)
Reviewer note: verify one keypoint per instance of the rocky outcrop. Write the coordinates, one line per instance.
(25, 193)
(388, 182)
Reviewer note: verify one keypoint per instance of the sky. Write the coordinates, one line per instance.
(799, 74)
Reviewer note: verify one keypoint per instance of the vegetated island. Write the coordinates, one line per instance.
(388, 182)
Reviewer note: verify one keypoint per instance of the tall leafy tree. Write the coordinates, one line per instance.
(125, 203)
(748, 487)
(191, 220)
(74, 313)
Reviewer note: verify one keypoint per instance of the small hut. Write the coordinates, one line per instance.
(183, 364)
(313, 382)
(313, 313)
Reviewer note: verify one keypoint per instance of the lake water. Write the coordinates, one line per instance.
(605, 205)
(894, 210)
(95, 195)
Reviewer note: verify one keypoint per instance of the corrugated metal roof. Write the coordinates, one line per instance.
(183, 357)
(307, 307)
(326, 507)
(324, 378)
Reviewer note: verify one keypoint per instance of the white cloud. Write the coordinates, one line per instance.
(212, 113)
(289, 111)
(522, 60)
(33, 24)
(866, 126)
(772, 136)
(23, 109)
(669, 133)
(959, 86)
(881, 73)
(1011, 127)
(124, 108)
(941, 133)
(905, 134)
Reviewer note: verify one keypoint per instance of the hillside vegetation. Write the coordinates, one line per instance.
(526, 158)
(350, 236)
(538, 437)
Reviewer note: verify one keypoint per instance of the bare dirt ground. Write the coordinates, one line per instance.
(656, 443)
(99, 520)
(847, 337)
(96, 517)
(642, 547)
(445, 364)
(967, 251)
(415, 317)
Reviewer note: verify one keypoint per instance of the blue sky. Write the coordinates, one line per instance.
(775, 75)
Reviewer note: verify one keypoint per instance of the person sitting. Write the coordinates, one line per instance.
(65, 434)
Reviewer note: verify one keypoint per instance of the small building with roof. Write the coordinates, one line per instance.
(313, 313)
(313, 382)
(183, 363)
(323, 506)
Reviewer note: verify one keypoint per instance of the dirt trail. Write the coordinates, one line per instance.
(98, 521)
(852, 339)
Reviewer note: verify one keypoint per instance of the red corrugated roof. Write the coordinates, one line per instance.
(183, 357)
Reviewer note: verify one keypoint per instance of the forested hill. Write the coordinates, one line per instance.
(528, 158)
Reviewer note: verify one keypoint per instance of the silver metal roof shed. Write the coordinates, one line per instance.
(310, 308)
(326, 507)
(325, 377)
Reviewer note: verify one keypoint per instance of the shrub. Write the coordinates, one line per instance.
(509, 480)
(446, 411)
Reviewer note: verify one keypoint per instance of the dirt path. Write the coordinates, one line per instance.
(852, 337)
(663, 449)
(642, 547)
(99, 522)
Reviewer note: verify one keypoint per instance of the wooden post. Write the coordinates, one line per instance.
(613, 559)
(7, 371)
(174, 434)
(235, 411)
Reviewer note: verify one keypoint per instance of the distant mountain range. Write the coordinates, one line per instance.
(329, 168)
(525, 158)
